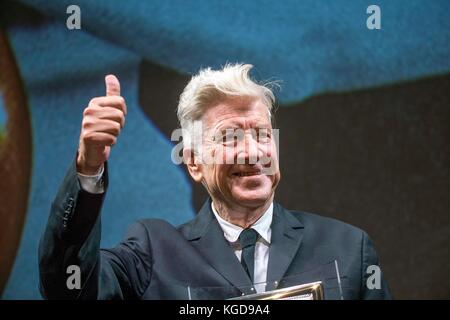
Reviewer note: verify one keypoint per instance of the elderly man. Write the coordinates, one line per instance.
(241, 242)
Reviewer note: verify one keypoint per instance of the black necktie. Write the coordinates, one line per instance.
(247, 239)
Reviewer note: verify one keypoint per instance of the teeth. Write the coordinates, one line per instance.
(243, 174)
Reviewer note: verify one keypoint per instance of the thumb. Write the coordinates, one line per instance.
(112, 85)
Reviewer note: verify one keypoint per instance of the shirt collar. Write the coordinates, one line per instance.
(232, 231)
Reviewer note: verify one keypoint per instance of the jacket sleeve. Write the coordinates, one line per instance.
(373, 283)
(71, 263)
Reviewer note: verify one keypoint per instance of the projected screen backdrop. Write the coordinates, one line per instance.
(363, 112)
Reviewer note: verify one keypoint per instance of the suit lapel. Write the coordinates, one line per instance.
(287, 234)
(207, 236)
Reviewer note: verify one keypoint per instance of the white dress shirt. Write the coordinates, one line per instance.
(93, 184)
(262, 226)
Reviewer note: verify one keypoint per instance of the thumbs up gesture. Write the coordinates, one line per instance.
(103, 120)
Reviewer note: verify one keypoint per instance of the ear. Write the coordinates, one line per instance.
(195, 169)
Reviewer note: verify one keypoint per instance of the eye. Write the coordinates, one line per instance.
(264, 135)
(224, 137)
(230, 137)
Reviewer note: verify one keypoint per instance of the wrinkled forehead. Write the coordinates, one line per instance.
(242, 112)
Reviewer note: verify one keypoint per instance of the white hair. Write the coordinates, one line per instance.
(211, 86)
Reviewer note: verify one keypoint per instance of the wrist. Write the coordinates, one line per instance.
(86, 169)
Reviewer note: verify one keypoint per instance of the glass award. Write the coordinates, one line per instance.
(320, 282)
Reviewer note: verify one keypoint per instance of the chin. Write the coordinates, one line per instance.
(252, 198)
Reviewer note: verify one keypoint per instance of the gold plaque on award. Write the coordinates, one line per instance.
(308, 291)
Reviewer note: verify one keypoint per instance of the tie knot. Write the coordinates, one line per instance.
(248, 237)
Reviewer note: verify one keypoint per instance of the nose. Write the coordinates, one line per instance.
(250, 152)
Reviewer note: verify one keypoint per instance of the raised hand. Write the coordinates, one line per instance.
(103, 120)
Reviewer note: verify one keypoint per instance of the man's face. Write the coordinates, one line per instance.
(239, 146)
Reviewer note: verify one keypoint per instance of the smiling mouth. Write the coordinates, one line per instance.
(247, 174)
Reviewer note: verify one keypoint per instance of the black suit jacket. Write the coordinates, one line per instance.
(158, 261)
